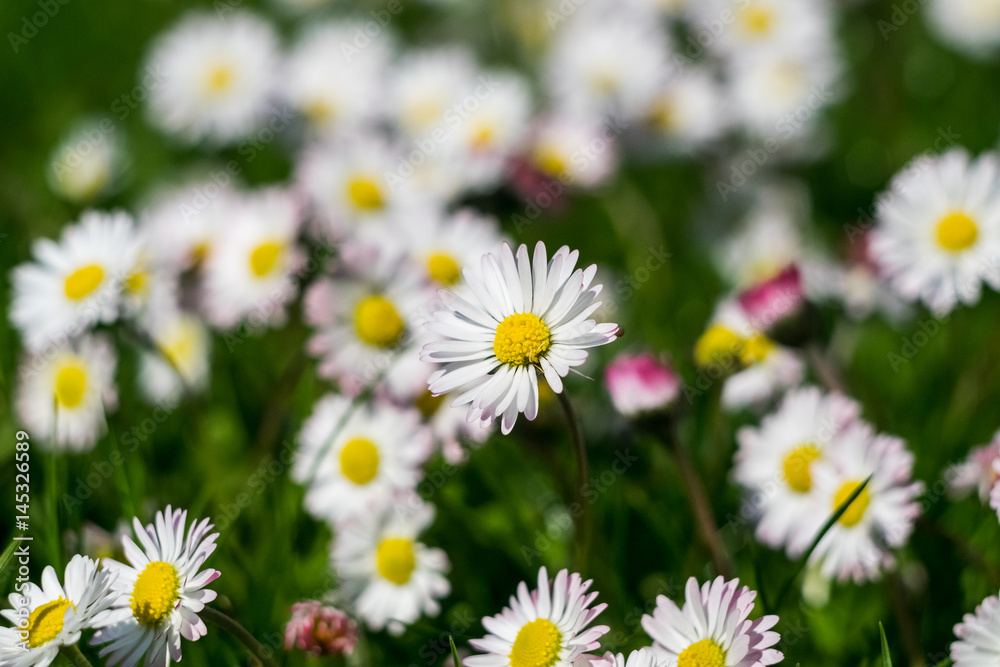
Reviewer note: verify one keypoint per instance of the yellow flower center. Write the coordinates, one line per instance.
(359, 460)
(796, 467)
(395, 559)
(482, 137)
(71, 385)
(757, 21)
(550, 159)
(957, 232)
(521, 339)
(365, 194)
(181, 344)
(856, 510)
(265, 257)
(377, 322)
(755, 350)
(443, 268)
(137, 283)
(83, 281)
(319, 111)
(663, 116)
(155, 594)
(537, 644)
(717, 344)
(219, 79)
(704, 653)
(428, 404)
(46, 621)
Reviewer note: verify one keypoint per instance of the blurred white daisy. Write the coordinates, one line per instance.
(977, 472)
(688, 109)
(250, 273)
(391, 576)
(548, 626)
(427, 84)
(355, 458)
(881, 517)
(577, 149)
(441, 245)
(739, 28)
(75, 283)
(971, 26)
(65, 391)
(513, 319)
(89, 162)
(214, 77)
(185, 342)
(338, 87)
(938, 233)
(978, 635)
(160, 592)
(713, 629)
(54, 615)
(774, 461)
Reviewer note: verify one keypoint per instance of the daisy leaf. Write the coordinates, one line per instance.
(886, 658)
(454, 652)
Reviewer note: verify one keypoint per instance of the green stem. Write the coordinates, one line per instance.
(73, 654)
(582, 475)
(241, 634)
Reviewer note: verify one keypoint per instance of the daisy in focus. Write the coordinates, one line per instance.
(712, 629)
(75, 283)
(392, 577)
(55, 614)
(938, 233)
(515, 318)
(65, 393)
(644, 657)
(356, 459)
(978, 635)
(160, 591)
(214, 77)
(549, 626)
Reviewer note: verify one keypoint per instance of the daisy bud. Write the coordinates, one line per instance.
(775, 301)
(320, 630)
(641, 383)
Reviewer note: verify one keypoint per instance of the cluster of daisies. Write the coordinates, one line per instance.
(138, 611)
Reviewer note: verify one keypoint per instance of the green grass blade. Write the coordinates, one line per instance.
(454, 652)
(886, 659)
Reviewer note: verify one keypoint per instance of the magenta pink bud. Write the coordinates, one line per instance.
(640, 383)
(772, 301)
(320, 630)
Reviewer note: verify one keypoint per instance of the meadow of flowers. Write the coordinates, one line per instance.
(518, 333)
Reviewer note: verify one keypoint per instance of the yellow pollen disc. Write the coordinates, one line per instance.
(755, 350)
(856, 510)
(377, 322)
(181, 344)
(199, 252)
(46, 622)
(957, 232)
(365, 194)
(359, 460)
(717, 345)
(265, 257)
(319, 111)
(550, 160)
(662, 115)
(421, 114)
(757, 21)
(521, 339)
(428, 404)
(704, 653)
(537, 644)
(71, 385)
(137, 283)
(219, 79)
(796, 467)
(443, 268)
(156, 591)
(395, 559)
(83, 281)
(482, 137)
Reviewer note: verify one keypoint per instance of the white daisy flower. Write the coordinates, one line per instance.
(577, 149)
(75, 283)
(712, 629)
(250, 274)
(688, 108)
(971, 26)
(513, 319)
(441, 245)
(774, 462)
(89, 162)
(160, 593)
(355, 458)
(938, 233)
(881, 517)
(214, 77)
(366, 318)
(49, 617)
(748, 26)
(392, 578)
(334, 84)
(65, 391)
(427, 84)
(185, 340)
(548, 626)
(644, 657)
(977, 472)
(978, 635)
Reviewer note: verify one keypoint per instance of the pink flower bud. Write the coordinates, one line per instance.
(320, 630)
(768, 303)
(640, 383)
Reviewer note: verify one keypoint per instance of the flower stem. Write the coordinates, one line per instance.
(700, 505)
(73, 654)
(581, 508)
(224, 622)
